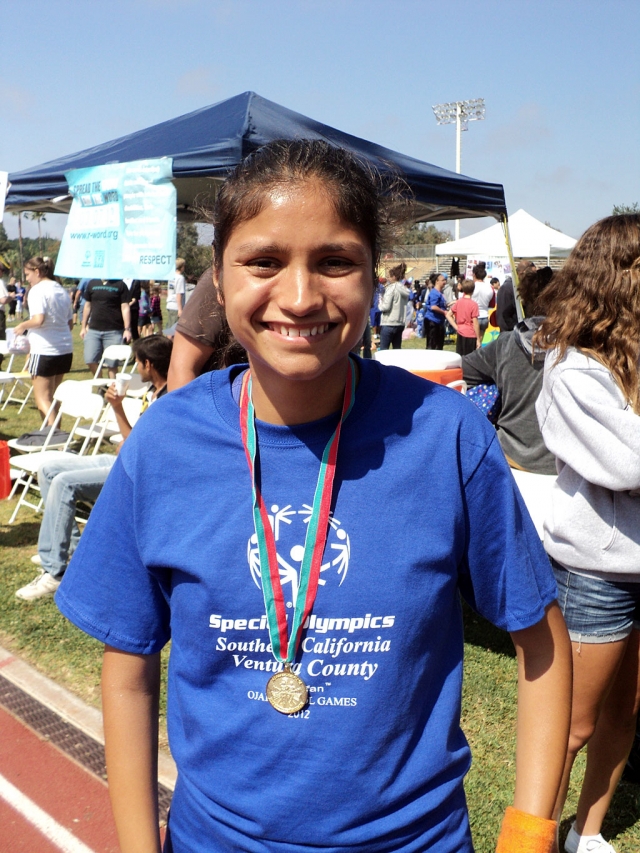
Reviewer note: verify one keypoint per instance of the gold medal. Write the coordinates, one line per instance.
(287, 692)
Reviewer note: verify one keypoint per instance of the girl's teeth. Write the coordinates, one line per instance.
(291, 331)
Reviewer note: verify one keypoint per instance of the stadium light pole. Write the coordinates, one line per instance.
(460, 112)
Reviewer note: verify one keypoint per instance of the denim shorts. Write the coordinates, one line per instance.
(596, 610)
(96, 342)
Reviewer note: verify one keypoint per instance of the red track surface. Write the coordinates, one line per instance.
(77, 800)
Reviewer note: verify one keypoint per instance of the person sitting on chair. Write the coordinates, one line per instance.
(70, 479)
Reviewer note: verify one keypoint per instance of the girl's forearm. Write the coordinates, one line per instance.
(544, 712)
(130, 696)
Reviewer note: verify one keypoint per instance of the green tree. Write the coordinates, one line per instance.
(39, 217)
(424, 234)
(197, 258)
(20, 243)
(625, 208)
(5, 243)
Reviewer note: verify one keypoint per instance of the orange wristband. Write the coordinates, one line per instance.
(526, 833)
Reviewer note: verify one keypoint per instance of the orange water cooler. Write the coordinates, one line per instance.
(439, 366)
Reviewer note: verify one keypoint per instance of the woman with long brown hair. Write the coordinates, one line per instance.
(589, 414)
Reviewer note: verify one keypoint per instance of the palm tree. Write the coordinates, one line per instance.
(39, 217)
(19, 215)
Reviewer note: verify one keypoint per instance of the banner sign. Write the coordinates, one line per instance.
(4, 186)
(497, 267)
(122, 222)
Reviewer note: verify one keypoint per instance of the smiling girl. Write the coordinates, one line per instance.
(314, 682)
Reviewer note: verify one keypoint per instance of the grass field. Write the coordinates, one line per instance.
(39, 634)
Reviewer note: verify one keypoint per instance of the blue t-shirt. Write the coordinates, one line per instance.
(376, 761)
(435, 298)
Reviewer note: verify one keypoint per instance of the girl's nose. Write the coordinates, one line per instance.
(299, 293)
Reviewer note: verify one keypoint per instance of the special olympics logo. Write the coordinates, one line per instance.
(290, 537)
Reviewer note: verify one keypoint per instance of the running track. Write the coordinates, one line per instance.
(53, 797)
(48, 802)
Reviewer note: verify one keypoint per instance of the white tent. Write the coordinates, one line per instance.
(530, 238)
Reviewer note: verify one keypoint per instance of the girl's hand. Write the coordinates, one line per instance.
(19, 329)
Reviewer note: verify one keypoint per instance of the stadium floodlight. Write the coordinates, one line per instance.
(460, 112)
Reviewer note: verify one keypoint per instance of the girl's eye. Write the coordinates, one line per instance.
(263, 264)
(337, 264)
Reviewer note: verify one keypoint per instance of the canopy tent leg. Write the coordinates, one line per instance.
(514, 274)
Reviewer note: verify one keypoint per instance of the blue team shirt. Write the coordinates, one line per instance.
(376, 761)
(435, 298)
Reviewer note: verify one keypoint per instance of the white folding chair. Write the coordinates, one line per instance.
(132, 408)
(70, 388)
(107, 426)
(78, 404)
(115, 352)
(16, 378)
(137, 388)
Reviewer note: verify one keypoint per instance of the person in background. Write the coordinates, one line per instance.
(435, 314)
(375, 314)
(49, 327)
(506, 311)
(156, 309)
(393, 306)
(203, 340)
(4, 300)
(483, 294)
(69, 479)
(589, 415)
(21, 295)
(463, 316)
(79, 300)
(134, 306)
(450, 291)
(176, 290)
(12, 291)
(515, 366)
(144, 311)
(106, 321)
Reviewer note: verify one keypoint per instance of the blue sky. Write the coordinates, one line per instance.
(561, 82)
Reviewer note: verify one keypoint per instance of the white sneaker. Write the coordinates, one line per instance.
(40, 587)
(586, 843)
(36, 559)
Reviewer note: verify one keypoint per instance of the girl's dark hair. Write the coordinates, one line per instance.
(376, 205)
(530, 286)
(44, 266)
(593, 303)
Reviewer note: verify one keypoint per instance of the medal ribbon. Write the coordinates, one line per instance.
(285, 646)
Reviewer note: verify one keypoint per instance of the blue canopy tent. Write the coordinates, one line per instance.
(206, 144)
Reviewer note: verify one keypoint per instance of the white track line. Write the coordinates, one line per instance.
(52, 830)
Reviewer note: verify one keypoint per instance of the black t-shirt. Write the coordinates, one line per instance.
(106, 297)
(506, 312)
